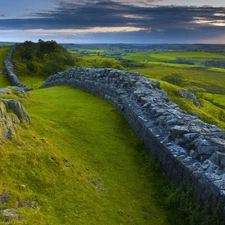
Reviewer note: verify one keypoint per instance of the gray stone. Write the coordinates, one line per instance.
(5, 198)
(215, 158)
(190, 136)
(189, 95)
(210, 177)
(18, 109)
(206, 150)
(222, 162)
(180, 130)
(5, 91)
(193, 154)
(9, 213)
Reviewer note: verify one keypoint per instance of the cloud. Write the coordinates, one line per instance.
(142, 19)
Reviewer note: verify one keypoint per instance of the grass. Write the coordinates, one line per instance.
(3, 52)
(78, 162)
(85, 171)
(172, 56)
(212, 81)
(4, 81)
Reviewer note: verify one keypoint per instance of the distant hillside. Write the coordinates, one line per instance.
(42, 58)
(36, 61)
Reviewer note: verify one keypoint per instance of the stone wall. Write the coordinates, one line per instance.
(186, 148)
(8, 68)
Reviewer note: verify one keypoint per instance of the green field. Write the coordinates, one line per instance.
(172, 56)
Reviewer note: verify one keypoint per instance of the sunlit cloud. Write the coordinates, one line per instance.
(133, 16)
(200, 20)
(140, 21)
(79, 31)
(219, 23)
(219, 14)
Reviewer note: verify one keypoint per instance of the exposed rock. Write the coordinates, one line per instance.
(9, 213)
(190, 96)
(32, 205)
(5, 91)
(66, 163)
(8, 121)
(4, 198)
(17, 108)
(42, 139)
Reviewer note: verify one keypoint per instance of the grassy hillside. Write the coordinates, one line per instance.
(36, 61)
(68, 167)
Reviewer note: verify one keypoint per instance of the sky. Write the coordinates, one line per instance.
(114, 21)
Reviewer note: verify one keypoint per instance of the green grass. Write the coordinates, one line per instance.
(4, 81)
(172, 56)
(3, 53)
(173, 65)
(210, 80)
(91, 169)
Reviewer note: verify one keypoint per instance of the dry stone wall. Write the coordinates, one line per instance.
(186, 148)
(8, 68)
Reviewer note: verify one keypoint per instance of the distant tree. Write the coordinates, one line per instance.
(176, 79)
(52, 56)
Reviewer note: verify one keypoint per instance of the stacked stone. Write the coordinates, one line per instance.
(9, 70)
(186, 148)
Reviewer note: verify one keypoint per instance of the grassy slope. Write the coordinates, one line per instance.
(3, 53)
(4, 82)
(106, 178)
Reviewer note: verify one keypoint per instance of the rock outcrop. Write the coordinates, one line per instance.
(185, 147)
(190, 96)
(11, 114)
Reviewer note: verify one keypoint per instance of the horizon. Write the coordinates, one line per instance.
(68, 43)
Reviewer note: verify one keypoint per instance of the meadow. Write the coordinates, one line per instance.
(78, 162)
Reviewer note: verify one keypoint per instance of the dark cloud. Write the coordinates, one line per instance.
(165, 22)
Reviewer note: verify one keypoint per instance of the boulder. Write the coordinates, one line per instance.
(17, 108)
